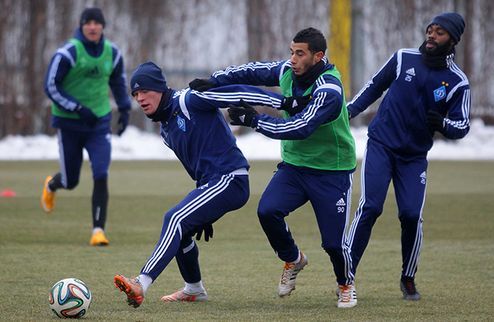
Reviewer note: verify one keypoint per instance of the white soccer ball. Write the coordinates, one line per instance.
(70, 298)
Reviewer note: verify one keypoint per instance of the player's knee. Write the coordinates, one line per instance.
(408, 215)
(332, 249)
(265, 212)
(371, 213)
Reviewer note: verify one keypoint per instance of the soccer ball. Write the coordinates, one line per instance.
(70, 298)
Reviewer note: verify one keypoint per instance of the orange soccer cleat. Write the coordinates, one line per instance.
(132, 287)
(47, 197)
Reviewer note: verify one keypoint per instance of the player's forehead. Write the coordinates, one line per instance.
(435, 27)
(299, 46)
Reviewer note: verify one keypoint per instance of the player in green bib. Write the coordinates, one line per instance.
(77, 82)
(317, 149)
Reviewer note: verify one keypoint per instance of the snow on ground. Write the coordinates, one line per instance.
(138, 145)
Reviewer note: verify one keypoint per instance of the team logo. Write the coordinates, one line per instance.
(181, 123)
(440, 93)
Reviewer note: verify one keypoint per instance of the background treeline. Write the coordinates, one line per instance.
(192, 38)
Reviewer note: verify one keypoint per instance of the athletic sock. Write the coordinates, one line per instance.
(97, 229)
(145, 281)
(194, 288)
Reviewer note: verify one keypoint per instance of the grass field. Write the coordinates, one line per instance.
(240, 271)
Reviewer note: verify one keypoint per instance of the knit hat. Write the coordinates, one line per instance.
(148, 76)
(452, 22)
(92, 14)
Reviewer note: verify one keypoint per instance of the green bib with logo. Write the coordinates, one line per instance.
(88, 81)
(330, 147)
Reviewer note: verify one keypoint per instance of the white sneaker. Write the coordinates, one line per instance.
(182, 296)
(347, 296)
(289, 275)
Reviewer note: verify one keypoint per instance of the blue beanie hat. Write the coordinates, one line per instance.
(147, 76)
(92, 14)
(452, 22)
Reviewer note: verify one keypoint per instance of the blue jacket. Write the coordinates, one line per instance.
(325, 105)
(198, 133)
(413, 89)
(61, 63)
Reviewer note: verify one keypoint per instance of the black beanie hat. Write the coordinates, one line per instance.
(147, 76)
(452, 22)
(92, 14)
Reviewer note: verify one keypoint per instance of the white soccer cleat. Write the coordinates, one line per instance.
(347, 296)
(289, 275)
(182, 296)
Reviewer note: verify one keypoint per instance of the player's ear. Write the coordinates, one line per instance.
(318, 56)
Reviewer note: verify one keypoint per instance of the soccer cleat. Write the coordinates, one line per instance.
(182, 296)
(407, 285)
(132, 287)
(347, 296)
(99, 239)
(47, 197)
(289, 275)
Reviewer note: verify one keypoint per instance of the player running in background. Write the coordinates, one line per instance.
(195, 129)
(427, 93)
(318, 153)
(77, 82)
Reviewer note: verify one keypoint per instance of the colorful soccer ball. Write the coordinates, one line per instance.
(70, 298)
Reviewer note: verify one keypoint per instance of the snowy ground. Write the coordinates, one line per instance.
(138, 145)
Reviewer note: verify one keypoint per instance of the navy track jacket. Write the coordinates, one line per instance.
(413, 89)
(324, 107)
(198, 133)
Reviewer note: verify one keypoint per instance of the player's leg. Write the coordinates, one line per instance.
(283, 195)
(410, 183)
(202, 206)
(70, 161)
(330, 196)
(376, 170)
(98, 146)
(228, 194)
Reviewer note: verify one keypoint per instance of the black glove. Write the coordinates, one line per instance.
(87, 116)
(244, 115)
(294, 105)
(435, 121)
(208, 232)
(201, 84)
(123, 121)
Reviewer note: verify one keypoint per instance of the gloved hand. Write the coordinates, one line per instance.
(87, 116)
(123, 121)
(208, 232)
(435, 121)
(294, 105)
(201, 84)
(245, 115)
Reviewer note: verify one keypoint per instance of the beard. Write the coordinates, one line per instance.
(439, 56)
(438, 50)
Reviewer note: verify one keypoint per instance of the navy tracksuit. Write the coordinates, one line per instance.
(328, 191)
(399, 139)
(73, 134)
(201, 139)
